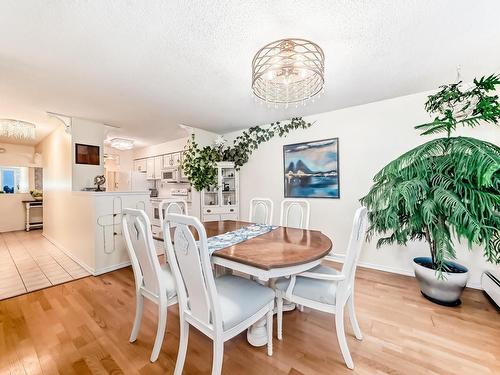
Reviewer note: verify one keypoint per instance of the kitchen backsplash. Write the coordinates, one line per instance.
(165, 188)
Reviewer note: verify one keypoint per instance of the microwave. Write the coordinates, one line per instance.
(170, 175)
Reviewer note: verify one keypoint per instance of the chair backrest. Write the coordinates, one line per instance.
(261, 211)
(190, 264)
(142, 252)
(358, 233)
(169, 206)
(295, 213)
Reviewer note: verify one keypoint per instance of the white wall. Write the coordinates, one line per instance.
(56, 150)
(91, 133)
(162, 148)
(369, 137)
(12, 213)
(16, 155)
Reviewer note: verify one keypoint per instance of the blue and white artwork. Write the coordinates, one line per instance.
(312, 169)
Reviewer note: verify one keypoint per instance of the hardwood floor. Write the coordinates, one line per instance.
(82, 327)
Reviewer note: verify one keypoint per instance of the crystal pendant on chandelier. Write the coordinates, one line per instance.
(17, 129)
(288, 71)
(460, 107)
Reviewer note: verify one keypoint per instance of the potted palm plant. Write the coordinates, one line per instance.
(445, 190)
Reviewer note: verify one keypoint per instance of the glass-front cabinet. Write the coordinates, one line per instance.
(221, 202)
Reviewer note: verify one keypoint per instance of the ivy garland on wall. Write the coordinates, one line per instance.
(199, 163)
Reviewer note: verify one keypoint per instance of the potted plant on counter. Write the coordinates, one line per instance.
(445, 190)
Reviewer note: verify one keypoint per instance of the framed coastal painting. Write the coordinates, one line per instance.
(311, 169)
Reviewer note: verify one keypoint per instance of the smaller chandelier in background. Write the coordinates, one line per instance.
(122, 144)
(17, 129)
(288, 71)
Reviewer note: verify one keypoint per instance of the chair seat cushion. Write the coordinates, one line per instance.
(240, 298)
(169, 280)
(323, 291)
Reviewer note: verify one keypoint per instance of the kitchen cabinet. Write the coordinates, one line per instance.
(172, 160)
(176, 159)
(153, 166)
(150, 168)
(158, 167)
(140, 165)
(222, 202)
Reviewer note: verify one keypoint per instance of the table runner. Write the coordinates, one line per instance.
(236, 236)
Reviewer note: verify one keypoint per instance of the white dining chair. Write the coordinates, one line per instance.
(220, 308)
(152, 280)
(295, 213)
(169, 206)
(325, 289)
(261, 211)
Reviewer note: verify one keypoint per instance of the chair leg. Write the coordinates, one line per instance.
(139, 305)
(300, 308)
(160, 331)
(339, 325)
(270, 315)
(218, 356)
(279, 316)
(353, 319)
(183, 343)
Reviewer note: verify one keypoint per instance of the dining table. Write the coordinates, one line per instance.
(281, 252)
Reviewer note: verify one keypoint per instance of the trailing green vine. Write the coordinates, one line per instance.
(199, 163)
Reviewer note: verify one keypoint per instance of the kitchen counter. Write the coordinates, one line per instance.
(111, 193)
(87, 226)
(159, 199)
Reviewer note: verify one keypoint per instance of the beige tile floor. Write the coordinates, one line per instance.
(28, 262)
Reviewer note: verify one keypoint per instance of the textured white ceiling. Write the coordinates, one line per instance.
(147, 66)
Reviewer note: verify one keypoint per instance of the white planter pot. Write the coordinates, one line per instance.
(445, 291)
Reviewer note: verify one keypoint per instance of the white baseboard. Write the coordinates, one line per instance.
(114, 267)
(85, 266)
(91, 270)
(340, 259)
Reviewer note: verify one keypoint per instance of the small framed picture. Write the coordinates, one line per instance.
(87, 154)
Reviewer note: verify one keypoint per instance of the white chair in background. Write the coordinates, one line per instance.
(220, 308)
(152, 280)
(325, 289)
(261, 211)
(295, 213)
(169, 206)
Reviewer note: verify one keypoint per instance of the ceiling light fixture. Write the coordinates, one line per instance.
(460, 108)
(17, 129)
(288, 71)
(122, 144)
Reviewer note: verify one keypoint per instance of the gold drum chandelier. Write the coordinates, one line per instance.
(288, 71)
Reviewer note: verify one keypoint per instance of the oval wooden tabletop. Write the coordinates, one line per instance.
(281, 247)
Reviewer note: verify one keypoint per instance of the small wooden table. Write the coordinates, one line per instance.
(28, 205)
(280, 252)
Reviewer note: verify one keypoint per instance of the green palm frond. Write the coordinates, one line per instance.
(446, 188)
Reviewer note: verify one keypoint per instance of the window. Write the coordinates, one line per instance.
(14, 180)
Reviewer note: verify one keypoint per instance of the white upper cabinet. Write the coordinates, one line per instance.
(176, 159)
(153, 166)
(150, 168)
(158, 167)
(172, 160)
(140, 165)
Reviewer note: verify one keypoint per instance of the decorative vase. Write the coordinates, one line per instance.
(445, 291)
